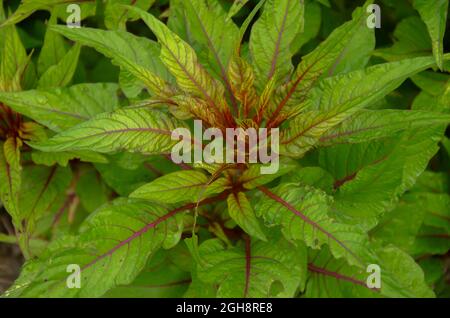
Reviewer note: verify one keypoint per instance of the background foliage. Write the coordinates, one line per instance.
(364, 176)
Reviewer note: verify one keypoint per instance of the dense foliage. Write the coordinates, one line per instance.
(86, 176)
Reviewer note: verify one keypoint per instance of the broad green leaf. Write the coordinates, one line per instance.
(317, 63)
(271, 38)
(53, 49)
(256, 269)
(332, 101)
(41, 186)
(367, 195)
(434, 14)
(144, 131)
(181, 60)
(411, 40)
(13, 61)
(400, 276)
(61, 74)
(218, 36)
(375, 124)
(242, 81)
(242, 213)
(252, 176)
(180, 186)
(435, 95)
(313, 19)
(111, 249)
(401, 225)
(302, 212)
(91, 190)
(62, 108)
(311, 176)
(63, 158)
(134, 54)
(116, 15)
(11, 179)
(162, 278)
(28, 7)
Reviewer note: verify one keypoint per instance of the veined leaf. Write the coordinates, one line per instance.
(162, 277)
(412, 40)
(271, 38)
(53, 49)
(180, 186)
(242, 213)
(317, 63)
(10, 177)
(303, 214)
(62, 108)
(210, 27)
(375, 124)
(41, 186)
(27, 7)
(181, 60)
(434, 14)
(145, 131)
(400, 276)
(367, 195)
(252, 176)
(242, 81)
(61, 74)
(112, 248)
(255, 269)
(63, 158)
(116, 15)
(332, 102)
(13, 61)
(123, 48)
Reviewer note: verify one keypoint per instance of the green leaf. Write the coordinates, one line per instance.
(162, 278)
(111, 249)
(367, 195)
(434, 14)
(28, 7)
(302, 212)
(181, 60)
(271, 38)
(13, 61)
(317, 63)
(61, 74)
(217, 34)
(123, 129)
(400, 276)
(257, 269)
(116, 15)
(131, 53)
(252, 176)
(375, 124)
(62, 108)
(332, 101)
(313, 19)
(41, 186)
(180, 186)
(242, 213)
(411, 40)
(63, 158)
(11, 179)
(53, 49)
